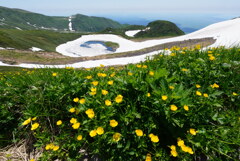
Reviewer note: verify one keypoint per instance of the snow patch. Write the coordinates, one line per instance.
(1, 48)
(70, 24)
(226, 33)
(132, 33)
(18, 28)
(35, 49)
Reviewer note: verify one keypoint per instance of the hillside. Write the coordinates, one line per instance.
(25, 20)
(46, 40)
(92, 24)
(160, 28)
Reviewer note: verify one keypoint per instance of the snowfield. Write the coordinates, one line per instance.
(226, 33)
(131, 33)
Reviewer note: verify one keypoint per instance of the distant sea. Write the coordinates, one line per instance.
(187, 22)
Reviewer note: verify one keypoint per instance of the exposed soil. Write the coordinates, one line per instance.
(52, 58)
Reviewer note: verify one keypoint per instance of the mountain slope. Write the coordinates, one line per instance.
(160, 28)
(25, 20)
(46, 40)
(92, 24)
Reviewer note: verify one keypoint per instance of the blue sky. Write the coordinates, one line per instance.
(125, 7)
(186, 13)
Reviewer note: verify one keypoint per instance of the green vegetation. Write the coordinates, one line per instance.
(84, 23)
(112, 45)
(46, 40)
(12, 18)
(160, 28)
(178, 107)
(20, 18)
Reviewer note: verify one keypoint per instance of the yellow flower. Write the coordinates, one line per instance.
(130, 74)
(180, 142)
(104, 92)
(139, 132)
(113, 74)
(108, 103)
(59, 122)
(198, 93)
(173, 54)
(76, 125)
(32, 160)
(148, 157)
(184, 70)
(27, 121)
(76, 100)
(119, 98)
(212, 58)
(198, 47)
(205, 95)
(79, 137)
(89, 77)
(144, 66)
(186, 107)
(49, 146)
(173, 107)
(154, 139)
(72, 110)
(209, 52)
(55, 148)
(35, 118)
(235, 94)
(93, 93)
(184, 148)
(173, 147)
(35, 126)
(54, 74)
(93, 89)
(148, 94)
(189, 150)
(100, 130)
(151, 73)
(139, 66)
(198, 86)
(171, 87)
(151, 135)
(164, 98)
(215, 85)
(93, 133)
(95, 83)
(90, 113)
(110, 82)
(116, 136)
(73, 120)
(174, 153)
(193, 131)
(113, 123)
(82, 101)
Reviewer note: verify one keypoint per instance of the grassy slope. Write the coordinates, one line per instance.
(19, 18)
(46, 40)
(160, 28)
(93, 24)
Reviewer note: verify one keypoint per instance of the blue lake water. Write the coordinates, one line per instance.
(88, 43)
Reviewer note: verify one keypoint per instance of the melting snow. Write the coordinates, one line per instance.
(36, 49)
(131, 33)
(226, 33)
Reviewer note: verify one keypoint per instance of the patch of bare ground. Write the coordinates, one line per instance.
(52, 58)
(19, 152)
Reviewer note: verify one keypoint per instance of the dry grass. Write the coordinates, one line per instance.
(18, 152)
